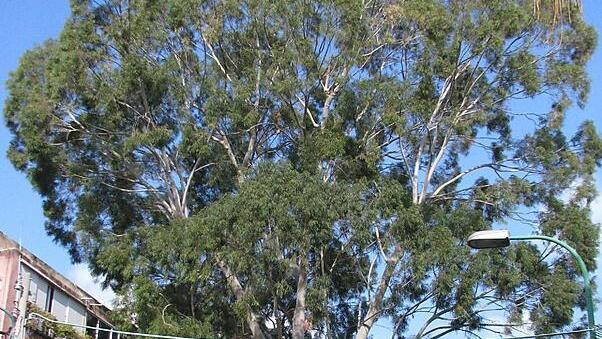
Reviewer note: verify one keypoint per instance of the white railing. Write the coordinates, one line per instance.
(113, 334)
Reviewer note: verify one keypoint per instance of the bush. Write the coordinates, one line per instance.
(49, 329)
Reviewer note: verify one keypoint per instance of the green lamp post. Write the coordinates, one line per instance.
(502, 238)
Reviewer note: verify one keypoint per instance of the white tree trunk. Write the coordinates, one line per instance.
(299, 314)
(237, 289)
(376, 304)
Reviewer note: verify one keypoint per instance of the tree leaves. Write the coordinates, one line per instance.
(205, 156)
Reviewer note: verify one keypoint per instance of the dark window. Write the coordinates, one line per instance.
(91, 321)
(104, 334)
(49, 299)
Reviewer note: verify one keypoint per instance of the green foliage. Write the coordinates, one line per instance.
(205, 156)
(54, 330)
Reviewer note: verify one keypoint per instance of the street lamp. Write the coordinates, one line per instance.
(501, 238)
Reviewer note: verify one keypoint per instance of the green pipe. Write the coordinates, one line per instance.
(584, 273)
(12, 320)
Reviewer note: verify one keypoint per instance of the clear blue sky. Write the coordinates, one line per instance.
(23, 25)
(27, 23)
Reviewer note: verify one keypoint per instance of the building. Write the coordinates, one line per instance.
(48, 292)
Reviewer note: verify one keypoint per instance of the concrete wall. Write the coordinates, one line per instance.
(64, 307)
(38, 289)
(77, 314)
(9, 270)
(68, 299)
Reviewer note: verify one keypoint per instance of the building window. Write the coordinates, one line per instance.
(49, 299)
(91, 321)
(104, 334)
(96, 324)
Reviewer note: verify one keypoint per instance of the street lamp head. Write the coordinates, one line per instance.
(489, 239)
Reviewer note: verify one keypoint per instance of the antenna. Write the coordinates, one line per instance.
(20, 234)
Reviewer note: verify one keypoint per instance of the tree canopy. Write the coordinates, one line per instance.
(295, 168)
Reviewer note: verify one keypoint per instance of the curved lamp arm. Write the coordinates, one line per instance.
(584, 273)
(502, 238)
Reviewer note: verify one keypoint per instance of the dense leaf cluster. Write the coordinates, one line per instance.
(293, 168)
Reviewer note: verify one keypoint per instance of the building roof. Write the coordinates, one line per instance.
(92, 304)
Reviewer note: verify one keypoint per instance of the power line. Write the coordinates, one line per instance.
(597, 329)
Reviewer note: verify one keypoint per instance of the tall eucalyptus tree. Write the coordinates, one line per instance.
(393, 131)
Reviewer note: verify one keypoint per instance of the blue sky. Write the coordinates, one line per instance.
(27, 23)
(23, 25)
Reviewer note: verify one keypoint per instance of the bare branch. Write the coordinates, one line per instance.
(307, 111)
(213, 56)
